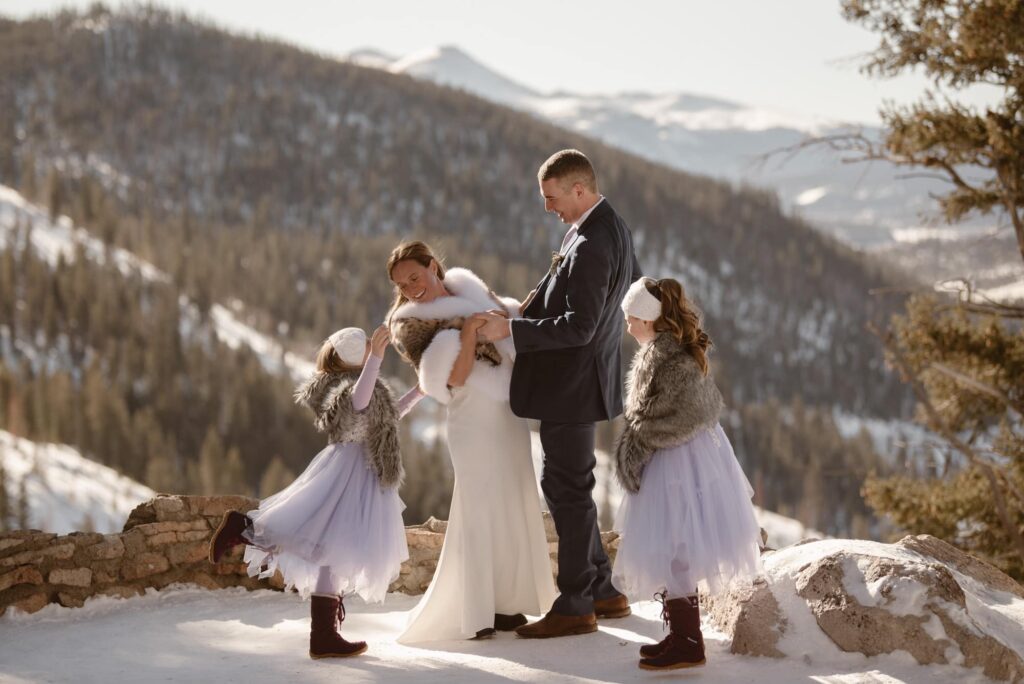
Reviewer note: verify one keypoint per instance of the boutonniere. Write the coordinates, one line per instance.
(556, 259)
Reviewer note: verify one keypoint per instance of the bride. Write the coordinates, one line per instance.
(494, 564)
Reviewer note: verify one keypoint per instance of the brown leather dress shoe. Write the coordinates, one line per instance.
(614, 607)
(555, 625)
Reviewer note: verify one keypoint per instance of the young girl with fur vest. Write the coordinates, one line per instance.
(687, 518)
(338, 528)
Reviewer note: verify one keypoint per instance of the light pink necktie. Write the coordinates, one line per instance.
(569, 235)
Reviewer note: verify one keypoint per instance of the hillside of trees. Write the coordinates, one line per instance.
(236, 162)
(252, 170)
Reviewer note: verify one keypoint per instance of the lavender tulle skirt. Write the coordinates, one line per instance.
(337, 515)
(691, 524)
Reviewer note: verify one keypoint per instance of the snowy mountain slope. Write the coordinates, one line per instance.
(390, 154)
(67, 492)
(864, 205)
(188, 634)
(55, 239)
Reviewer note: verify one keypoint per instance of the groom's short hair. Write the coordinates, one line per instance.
(569, 165)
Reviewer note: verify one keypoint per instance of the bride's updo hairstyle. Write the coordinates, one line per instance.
(680, 318)
(417, 251)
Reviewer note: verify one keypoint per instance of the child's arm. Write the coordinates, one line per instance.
(363, 389)
(409, 400)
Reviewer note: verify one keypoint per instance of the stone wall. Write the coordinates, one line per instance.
(165, 541)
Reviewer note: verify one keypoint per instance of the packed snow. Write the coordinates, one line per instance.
(188, 634)
(67, 492)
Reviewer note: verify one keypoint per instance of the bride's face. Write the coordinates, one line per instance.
(416, 282)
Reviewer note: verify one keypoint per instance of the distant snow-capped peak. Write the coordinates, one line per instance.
(369, 57)
(451, 66)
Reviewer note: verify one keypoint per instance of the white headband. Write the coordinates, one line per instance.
(640, 303)
(350, 343)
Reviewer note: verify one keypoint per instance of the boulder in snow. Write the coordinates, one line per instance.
(921, 596)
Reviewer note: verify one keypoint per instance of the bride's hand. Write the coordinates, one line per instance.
(471, 325)
(526, 302)
(379, 341)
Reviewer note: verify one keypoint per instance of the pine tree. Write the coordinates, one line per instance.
(211, 464)
(964, 359)
(232, 475)
(162, 476)
(24, 519)
(54, 194)
(275, 478)
(5, 502)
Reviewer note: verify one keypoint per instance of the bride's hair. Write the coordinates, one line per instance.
(417, 251)
(680, 318)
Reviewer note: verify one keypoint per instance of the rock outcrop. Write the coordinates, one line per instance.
(921, 596)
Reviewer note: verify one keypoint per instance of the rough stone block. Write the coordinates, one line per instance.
(77, 577)
(112, 547)
(25, 574)
(186, 554)
(71, 599)
(144, 565)
(84, 538)
(32, 603)
(161, 539)
(121, 591)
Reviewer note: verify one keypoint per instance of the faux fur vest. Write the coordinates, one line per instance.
(668, 401)
(427, 336)
(329, 395)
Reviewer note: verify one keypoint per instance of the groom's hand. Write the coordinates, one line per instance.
(496, 327)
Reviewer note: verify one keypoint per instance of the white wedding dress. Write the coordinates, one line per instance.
(495, 554)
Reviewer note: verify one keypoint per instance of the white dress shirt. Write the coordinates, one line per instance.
(570, 235)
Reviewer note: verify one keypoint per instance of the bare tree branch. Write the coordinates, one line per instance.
(977, 386)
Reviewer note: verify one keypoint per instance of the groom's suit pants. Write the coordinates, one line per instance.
(584, 572)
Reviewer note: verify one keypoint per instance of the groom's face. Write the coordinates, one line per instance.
(562, 198)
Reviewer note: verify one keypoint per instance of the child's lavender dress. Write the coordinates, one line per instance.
(335, 516)
(691, 523)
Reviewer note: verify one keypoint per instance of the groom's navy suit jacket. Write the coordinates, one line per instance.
(568, 343)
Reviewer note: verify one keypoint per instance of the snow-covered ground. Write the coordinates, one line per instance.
(188, 634)
(67, 492)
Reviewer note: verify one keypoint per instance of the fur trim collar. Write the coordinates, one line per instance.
(329, 395)
(470, 295)
(668, 401)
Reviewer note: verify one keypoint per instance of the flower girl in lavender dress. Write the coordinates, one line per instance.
(687, 517)
(338, 527)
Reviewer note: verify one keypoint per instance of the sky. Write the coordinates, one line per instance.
(796, 56)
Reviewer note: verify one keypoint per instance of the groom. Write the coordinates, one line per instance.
(567, 375)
